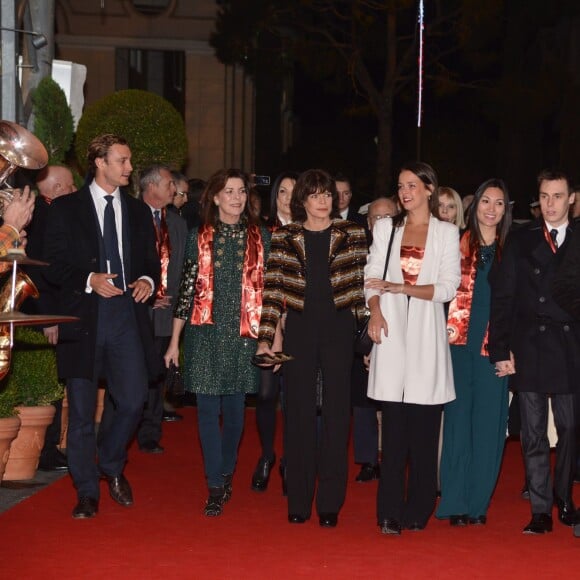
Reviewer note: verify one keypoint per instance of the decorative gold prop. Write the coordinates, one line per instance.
(12, 296)
(19, 149)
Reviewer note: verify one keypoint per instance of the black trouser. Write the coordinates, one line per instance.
(410, 438)
(536, 448)
(267, 410)
(150, 426)
(322, 340)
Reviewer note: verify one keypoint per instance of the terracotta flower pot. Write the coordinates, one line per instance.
(25, 449)
(8, 430)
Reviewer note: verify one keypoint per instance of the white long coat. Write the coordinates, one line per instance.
(413, 363)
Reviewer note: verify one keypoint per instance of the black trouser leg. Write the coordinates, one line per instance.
(266, 409)
(423, 426)
(563, 407)
(536, 450)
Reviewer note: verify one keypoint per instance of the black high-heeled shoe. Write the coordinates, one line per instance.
(262, 472)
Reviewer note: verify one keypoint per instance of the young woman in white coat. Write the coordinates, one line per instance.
(410, 368)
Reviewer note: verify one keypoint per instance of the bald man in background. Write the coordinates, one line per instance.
(52, 182)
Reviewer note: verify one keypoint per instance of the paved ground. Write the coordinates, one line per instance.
(13, 492)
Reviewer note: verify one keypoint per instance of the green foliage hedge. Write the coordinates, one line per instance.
(152, 126)
(33, 378)
(53, 120)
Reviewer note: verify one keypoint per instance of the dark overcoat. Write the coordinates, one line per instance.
(73, 247)
(526, 320)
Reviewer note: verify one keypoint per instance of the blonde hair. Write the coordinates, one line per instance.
(459, 220)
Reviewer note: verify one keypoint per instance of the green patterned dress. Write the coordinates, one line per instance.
(216, 359)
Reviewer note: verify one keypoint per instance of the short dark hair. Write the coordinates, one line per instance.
(554, 175)
(309, 182)
(342, 177)
(209, 211)
(99, 148)
(427, 175)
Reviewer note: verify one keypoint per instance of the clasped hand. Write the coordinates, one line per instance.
(384, 286)
(102, 284)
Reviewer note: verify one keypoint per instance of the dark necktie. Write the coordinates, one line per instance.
(112, 243)
(554, 235)
(157, 218)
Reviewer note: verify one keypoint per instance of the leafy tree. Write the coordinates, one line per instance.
(365, 47)
(53, 123)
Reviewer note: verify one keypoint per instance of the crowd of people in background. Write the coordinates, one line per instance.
(245, 298)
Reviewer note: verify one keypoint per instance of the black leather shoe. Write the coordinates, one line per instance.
(172, 416)
(390, 527)
(296, 519)
(228, 478)
(214, 506)
(368, 472)
(151, 447)
(525, 494)
(478, 521)
(567, 512)
(55, 461)
(120, 490)
(261, 475)
(539, 524)
(87, 507)
(458, 520)
(328, 520)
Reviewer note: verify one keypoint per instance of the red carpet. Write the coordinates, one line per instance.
(165, 535)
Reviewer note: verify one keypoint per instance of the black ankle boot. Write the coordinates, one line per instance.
(262, 472)
(228, 477)
(215, 502)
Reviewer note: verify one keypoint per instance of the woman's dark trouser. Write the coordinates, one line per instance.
(220, 444)
(410, 437)
(327, 344)
(267, 409)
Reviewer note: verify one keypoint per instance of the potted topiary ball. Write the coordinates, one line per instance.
(152, 126)
(33, 379)
(9, 424)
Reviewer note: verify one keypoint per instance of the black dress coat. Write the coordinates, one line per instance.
(525, 318)
(566, 287)
(73, 247)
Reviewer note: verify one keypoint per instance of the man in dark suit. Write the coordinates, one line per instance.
(157, 189)
(100, 244)
(347, 212)
(52, 182)
(535, 341)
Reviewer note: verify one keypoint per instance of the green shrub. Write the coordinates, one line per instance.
(8, 400)
(53, 120)
(33, 377)
(152, 126)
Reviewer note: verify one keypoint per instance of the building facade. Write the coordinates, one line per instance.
(163, 46)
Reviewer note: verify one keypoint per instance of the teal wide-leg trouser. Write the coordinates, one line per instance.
(474, 432)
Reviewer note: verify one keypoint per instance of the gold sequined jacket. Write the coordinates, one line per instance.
(285, 280)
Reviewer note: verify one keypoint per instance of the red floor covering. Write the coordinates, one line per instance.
(165, 535)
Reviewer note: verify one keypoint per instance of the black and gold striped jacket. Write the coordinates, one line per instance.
(285, 279)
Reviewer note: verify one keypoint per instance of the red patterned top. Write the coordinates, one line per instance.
(411, 260)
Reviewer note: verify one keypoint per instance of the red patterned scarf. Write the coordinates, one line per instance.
(163, 251)
(460, 306)
(252, 281)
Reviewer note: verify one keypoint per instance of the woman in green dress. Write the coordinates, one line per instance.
(219, 304)
(475, 423)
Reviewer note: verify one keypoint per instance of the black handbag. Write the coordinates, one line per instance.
(363, 343)
(174, 381)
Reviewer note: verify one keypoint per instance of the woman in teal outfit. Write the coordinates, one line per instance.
(219, 304)
(474, 427)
